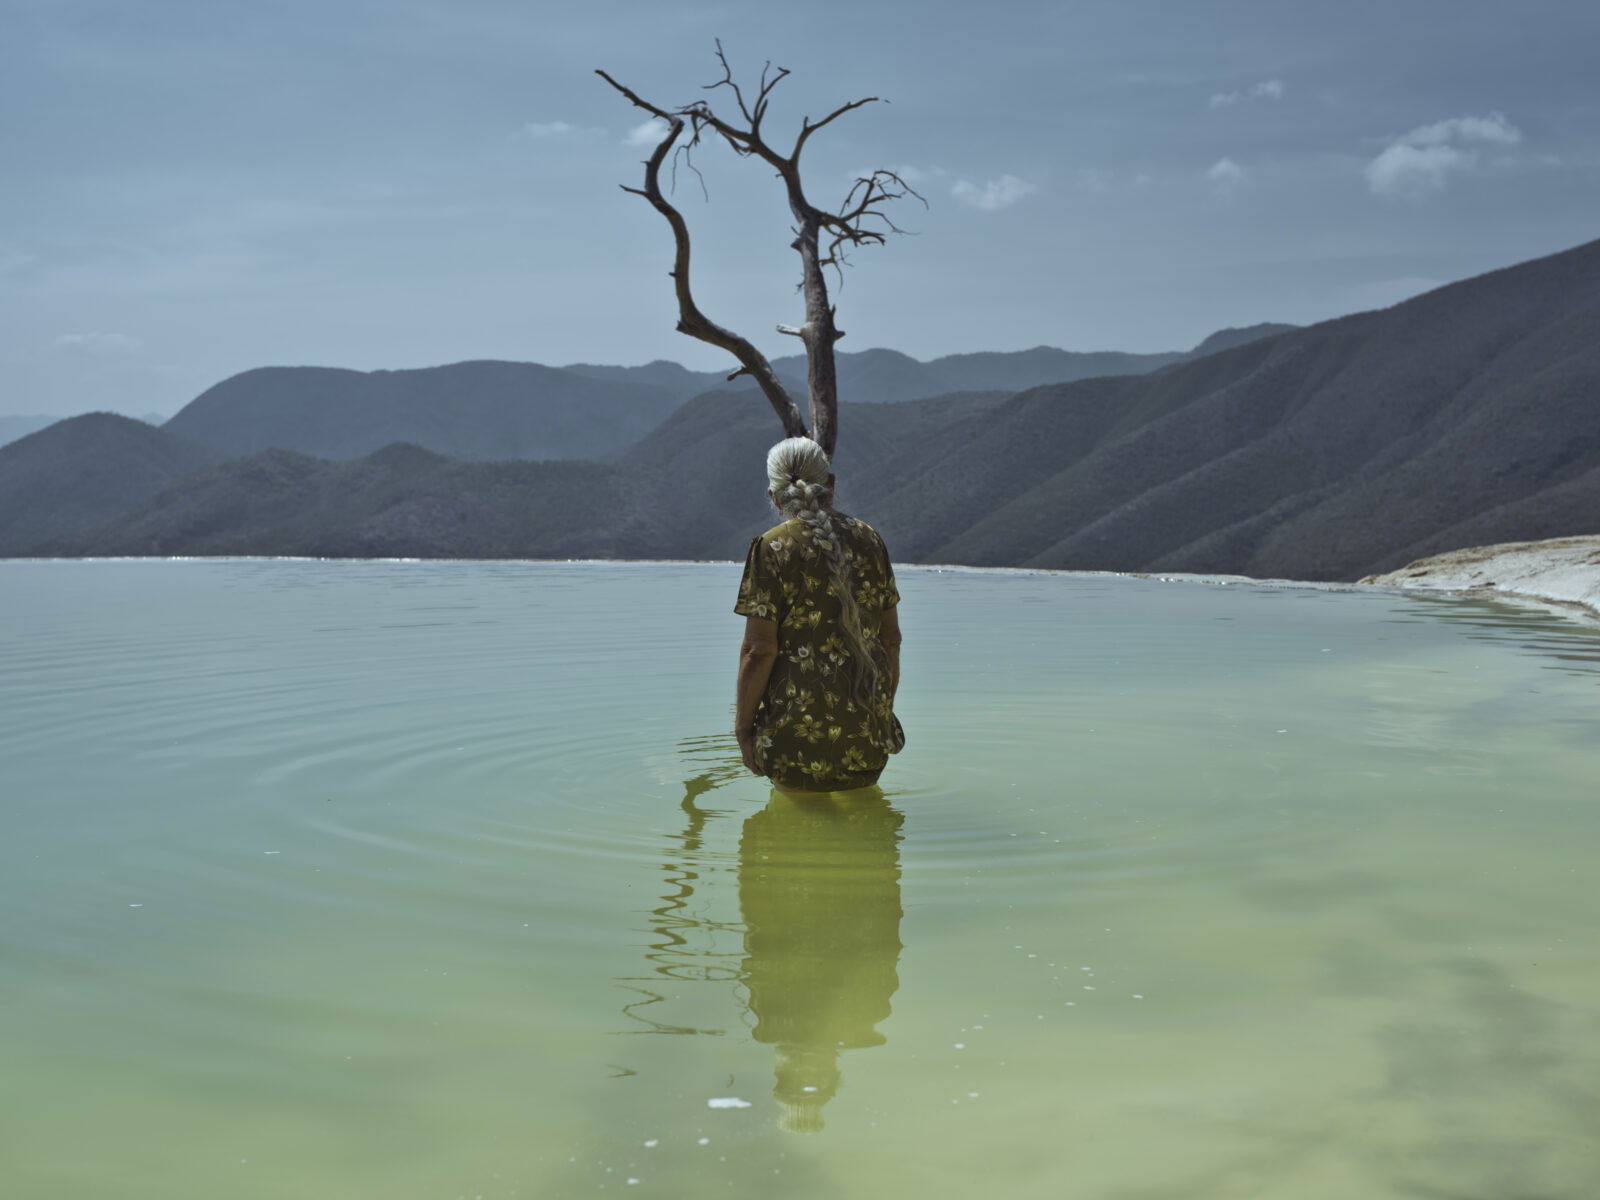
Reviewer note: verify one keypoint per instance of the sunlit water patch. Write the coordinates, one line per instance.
(434, 880)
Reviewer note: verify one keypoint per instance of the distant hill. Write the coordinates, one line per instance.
(1469, 414)
(667, 499)
(470, 410)
(399, 501)
(887, 376)
(669, 376)
(12, 428)
(1227, 339)
(83, 471)
(490, 411)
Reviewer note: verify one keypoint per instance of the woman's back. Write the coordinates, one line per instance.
(826, 720)
(791, 575)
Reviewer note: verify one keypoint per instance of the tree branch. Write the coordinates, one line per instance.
(807, 127)
(860, 221)
(861, 204)
(691, 320)
(634, 97)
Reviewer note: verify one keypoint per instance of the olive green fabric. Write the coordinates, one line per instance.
(810, 733)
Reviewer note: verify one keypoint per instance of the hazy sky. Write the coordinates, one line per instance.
(197, 187)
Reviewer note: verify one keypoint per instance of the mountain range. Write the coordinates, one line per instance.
(486, 411)
(1467, 415)
(472, 411)
(478, 411)
(887, 376)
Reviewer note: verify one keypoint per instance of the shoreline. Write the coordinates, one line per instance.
(1558, 575)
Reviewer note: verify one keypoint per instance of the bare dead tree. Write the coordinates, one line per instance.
(821, 236)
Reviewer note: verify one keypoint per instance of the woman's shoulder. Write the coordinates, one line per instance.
(861, 529)
(784, 531)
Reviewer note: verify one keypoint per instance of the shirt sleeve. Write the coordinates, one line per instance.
(891, 594)
(760, 594)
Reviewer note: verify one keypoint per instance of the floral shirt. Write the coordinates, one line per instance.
(810, 733)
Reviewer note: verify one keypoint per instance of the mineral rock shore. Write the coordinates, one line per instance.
(1561, 572)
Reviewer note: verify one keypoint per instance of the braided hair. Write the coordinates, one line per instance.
(797, 470)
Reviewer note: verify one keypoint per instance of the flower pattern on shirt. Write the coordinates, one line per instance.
(810, 731)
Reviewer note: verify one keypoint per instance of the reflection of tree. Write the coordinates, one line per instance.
(819, 889)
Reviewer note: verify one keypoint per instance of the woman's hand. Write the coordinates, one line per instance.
(747, 748)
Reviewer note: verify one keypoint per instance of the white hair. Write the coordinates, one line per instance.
(797, 473)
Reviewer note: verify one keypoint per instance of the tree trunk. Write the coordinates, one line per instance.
(818, 333)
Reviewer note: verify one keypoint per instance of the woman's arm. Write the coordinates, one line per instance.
(756, 656)
(889, 635)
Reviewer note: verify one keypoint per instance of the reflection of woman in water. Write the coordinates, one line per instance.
(821, 654)
(819, 890)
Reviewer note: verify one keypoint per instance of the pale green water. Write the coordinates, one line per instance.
(434, 880)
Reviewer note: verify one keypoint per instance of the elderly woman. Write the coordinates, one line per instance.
(821, 654)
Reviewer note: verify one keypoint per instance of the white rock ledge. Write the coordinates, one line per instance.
(1562, 574)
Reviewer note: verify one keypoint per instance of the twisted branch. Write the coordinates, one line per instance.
(859, 221)
(691, 320)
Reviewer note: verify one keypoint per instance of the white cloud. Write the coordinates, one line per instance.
(1225, 176)
(1493, 128)
(912, 174)
(1415, 171)
(96, 343)
(548, 129)
(648, 133)
(1267, 89)
(995, 194)
(1420, 163)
